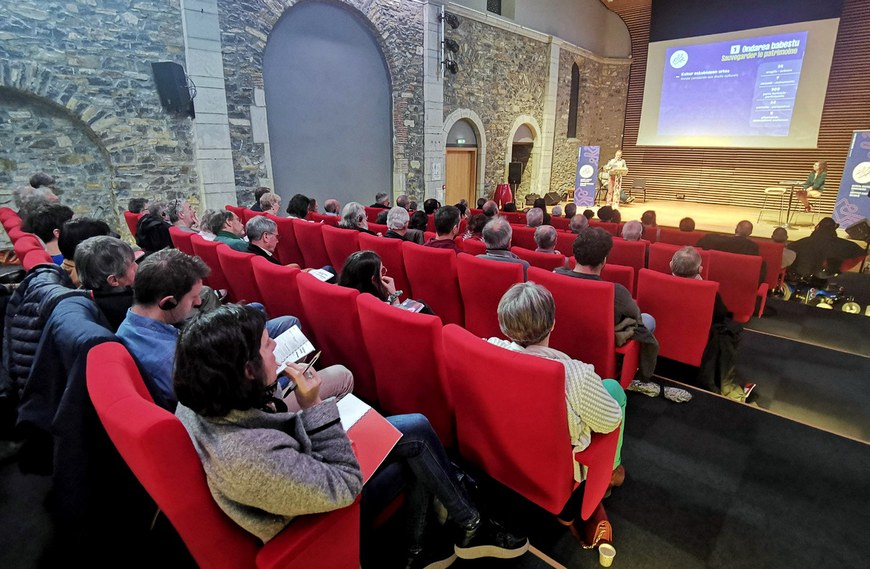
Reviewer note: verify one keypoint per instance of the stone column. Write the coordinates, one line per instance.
(214, 160)
(548, 126)
(433, 100)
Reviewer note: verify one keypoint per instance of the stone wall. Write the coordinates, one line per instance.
(90, 61)
(600, 114)
(502, 75)
(398, 28)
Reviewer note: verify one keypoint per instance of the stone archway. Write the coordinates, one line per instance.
(477, 124)
(535, 160)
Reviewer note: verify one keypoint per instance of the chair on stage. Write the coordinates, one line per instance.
(482, 283)
(433, 276)
(773, 194)
(392, 257)
(638, 185)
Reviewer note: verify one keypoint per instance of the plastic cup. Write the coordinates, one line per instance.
(606, 553)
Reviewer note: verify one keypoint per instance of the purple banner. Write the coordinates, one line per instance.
(853, 203)
(587, 175)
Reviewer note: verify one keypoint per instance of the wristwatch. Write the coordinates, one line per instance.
(393, 297)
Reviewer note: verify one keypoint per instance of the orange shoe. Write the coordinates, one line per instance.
(618, 477)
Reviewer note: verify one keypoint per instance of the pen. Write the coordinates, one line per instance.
(305, 371)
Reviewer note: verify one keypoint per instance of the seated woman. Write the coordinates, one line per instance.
(814, 186)
(474, 229)
(364, 271)
(265, 466)
(353, 216)
(527, 315)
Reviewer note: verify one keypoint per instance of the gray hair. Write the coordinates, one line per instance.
(526, 313)
(98, 258)
(632, 231)
(578, 224)
(174, 208)
(205, 219)
(258, 225)
(269, 199)
(398, 218)
(490, 209)
(535, 217)
(157, 209)
(557, 211)
(686, 262)
(353, 216)
(331, 205)
(545, 236)
(29, 198)
(497, 233)
(380, 197)
(403, 201)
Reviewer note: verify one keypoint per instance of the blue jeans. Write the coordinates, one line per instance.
(419, 462)
(276, 326)
(648, 321)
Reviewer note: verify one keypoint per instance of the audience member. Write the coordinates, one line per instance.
(780, 235)
(381, 219)
(28, 198)
(312, 205)
(258, 195)
(412, 206)
(364, 271)
(648, 218)
(570, 210)
(42, 180)
(45, 222)
(298, 206)
(497, 236)
(738, 243)
(632, 231)
(152, 231)
(556, 211)
(74, 232)
(229, 229)
(262, 234)
(616, 217)
(578, 224)
(397, 226)
(419, 221)
(403, 201)
(107, 267)
(605, 214)
(183, 216)
(430, 205)
(205, 225)
(490, 209)
(687, 224)
(462, 206)
(545, 239)
(353, 216)
(821, 250)
(271, 203)
(137, 205)
(534, 217)
(480, 202)
(382, 200)
(510, 207)
(331, 207)
(446, 229)
(225, 380)
(541, 204)
(474, 229)
(588, 214)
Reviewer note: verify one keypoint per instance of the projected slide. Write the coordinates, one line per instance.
(745, 87)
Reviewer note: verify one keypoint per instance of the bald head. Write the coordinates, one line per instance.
(743, 229)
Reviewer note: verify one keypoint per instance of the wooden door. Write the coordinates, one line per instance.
(460, 176)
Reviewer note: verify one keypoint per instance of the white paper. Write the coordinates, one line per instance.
(351, 409)
(321, 274)
(291, 346)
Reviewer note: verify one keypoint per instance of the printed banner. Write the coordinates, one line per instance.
(587, 176)
(853, 203)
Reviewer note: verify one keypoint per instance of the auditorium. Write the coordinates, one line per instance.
(385, 284)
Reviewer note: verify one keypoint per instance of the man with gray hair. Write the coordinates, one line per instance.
(262, 235)
(403, 201)
(557, 211)
(28, 198)
(578, 224)
(397, 226)
(535, 217)
(497, 236)
(382, 200)
(632, 231)
(332, 207)
(106, 266)
(490, 209)
(545, 239)
(183, 216)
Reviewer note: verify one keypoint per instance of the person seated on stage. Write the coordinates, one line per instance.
(605, 214)
(578, 224)
(590, 251)
(687, 224)
(510, 207)
(557, 211)
(419, 221)
(814, 186)
(331, 207)
(570, 210)
(822, 250)
(381, 219)
(490, 209)
(258, 195)
(474, 229)
(632, 231)
(229, 229)
(45, 222)
(382, 200)
(780, 235)
(739, 243)
(298, 206)
(718, 370)
(271, 203)
(545, 239)
(534, 217)
(430, 205)
(541, 204)
(616, 216)
(497, 236)
(446, 229)
(183, 216)
(526, 316)
(266, 465)
(397, 225)
(353, 216)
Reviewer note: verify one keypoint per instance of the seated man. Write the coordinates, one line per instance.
(397, 226)
(446, 229)
(152, 231)
(590, 251)
(332, 207)
(263, 238)
(687, 224)
(480, 202)
(557, 211)
(430, 205)
(258, 195)
(74, 232)
(137, 205)
(497, 237)
(271, 203)
(183, 216)
(545, 239)
(570, 210)
(382, 200)
(527, 315)
(107, 267)
(45, 222)
(823, 249)
(632, 231)
(381, 219)
(535, 217)
(228, 228)
(780, 235)
(737, 243)
(165, 293)
(605, 214)
(403, 201)
(578, 224)
(718, 370)
(490, 209)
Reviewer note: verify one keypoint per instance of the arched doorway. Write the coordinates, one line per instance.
(328, 100)
(521, 162)
(461, 163)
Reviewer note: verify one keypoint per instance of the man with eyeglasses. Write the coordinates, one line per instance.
(263, 239)
(183, 216)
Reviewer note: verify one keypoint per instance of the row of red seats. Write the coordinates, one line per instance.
(27, 246)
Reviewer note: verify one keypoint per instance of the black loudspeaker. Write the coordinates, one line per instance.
(859, 231)
(515, 172)
(172, 87)
(552, 198)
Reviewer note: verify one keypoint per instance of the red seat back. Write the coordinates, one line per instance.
(35, 257)
(207, 251)
(278, 289)
(546, 261)
(181, 240)
(514, 217)
(241, 212)
(737, 276)
(321, 218)
(132, 220)
(677, 237)
(25, 244)
(650, 233)
(238, 270)
(473, 246)
(619, 274)
(433, 277)
(340, 244)
(378, 228)
(565, 243)
(628, 254)
(528, 451)
(660, 255)
(309, 236)
(159, 451)
(683, 309)
(612, 228)
(560, 222)
(288, 250)
(336, 327)
(15, 233)
(771, 252)
(523, 237)
(482, 283)
(408, 380)
(390, 252)
(372, 213)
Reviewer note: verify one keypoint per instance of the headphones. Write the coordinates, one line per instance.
(168, 304)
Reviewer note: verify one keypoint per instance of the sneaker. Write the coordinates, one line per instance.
(649, 388)
(489, 539)
(747, 390)
(438, 557)
(677, 395)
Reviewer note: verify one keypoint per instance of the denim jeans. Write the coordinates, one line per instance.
(425, 471)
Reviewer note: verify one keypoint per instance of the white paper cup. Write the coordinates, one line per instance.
(606, 553)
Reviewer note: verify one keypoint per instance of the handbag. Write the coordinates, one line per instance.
(597, 529)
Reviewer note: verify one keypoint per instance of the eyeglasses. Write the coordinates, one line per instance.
(275, 235)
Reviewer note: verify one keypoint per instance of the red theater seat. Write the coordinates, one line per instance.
(523, 237)
(619, 274)
(565, 243)
(238, 270)
(35, 257)
(482, 283)
(278, 289)
(288, 250)
(660, 255)
(132, 220)
(433, 277)
(560, 222)
(737, 276)
(546, 261)
(683, 309)
(340, 244)
(309, 236)
(207, 251)
(390, 251)
(321, 218)
(612, 228)
(628, 254)
(677, 237)
(473, 246)
(241, 212)
(378, 228)
(771, 252)
(181, 240)
(372, 213)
